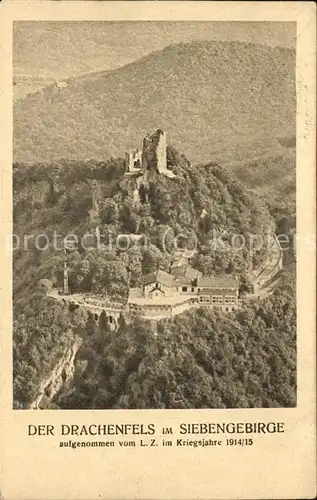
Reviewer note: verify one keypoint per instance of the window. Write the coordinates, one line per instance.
(230, 299)
(193, 289)
(217, 299)
(204, 299)
(156, 285)
(184, 288)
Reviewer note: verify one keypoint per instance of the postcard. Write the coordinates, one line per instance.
(158, 241)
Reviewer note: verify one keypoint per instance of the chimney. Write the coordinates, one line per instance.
(129, 277)
(66, 288)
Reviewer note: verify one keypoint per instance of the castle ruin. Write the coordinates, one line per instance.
(152, 157)
(134, 162)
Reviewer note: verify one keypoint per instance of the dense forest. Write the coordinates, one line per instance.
(76, 198)
(42, 329)
(199, 359)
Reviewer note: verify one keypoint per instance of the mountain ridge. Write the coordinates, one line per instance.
(208, 95)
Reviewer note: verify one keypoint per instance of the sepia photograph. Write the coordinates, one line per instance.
(154, 215)
(158, 256)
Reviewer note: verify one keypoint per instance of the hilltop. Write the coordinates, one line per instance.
(76, 197)
(218, 98)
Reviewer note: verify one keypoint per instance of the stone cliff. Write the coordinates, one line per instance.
(60, 375)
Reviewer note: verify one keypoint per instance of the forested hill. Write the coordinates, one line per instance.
(215, 97)
(199, 360)
(78, 197)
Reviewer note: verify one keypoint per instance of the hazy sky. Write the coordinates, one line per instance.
(62, 49)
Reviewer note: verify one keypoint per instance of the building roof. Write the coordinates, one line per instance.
(217, 282)
(186, 272)
(160, 277)
(135, 293)
(178, 271)
(192, 273)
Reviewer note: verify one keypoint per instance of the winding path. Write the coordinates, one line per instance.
(266, 279)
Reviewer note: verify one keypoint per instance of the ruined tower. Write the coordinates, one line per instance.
(154, 151)
(152, 157)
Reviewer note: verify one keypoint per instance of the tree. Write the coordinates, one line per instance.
(44, 286)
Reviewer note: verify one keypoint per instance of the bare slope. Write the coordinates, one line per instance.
(209, 96)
